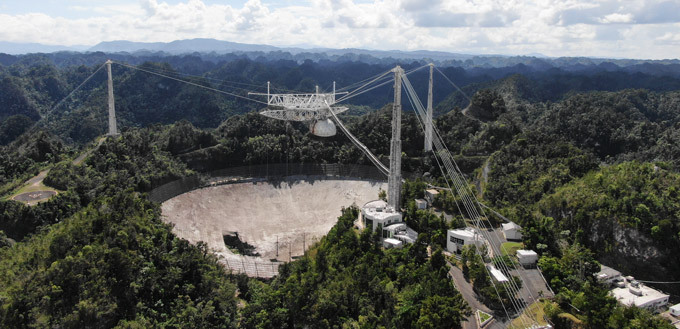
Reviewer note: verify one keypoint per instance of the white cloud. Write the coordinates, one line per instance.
(621, 28)
(616, 18)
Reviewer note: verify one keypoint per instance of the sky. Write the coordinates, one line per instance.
(609, 28)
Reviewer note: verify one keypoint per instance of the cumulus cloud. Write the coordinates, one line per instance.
(634, 28)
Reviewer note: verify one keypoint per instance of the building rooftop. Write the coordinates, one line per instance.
(467, 232)
(525, 253)
(379, 209)
(510, 226)
(432, 191)
(402, 232)
(648, 295)
(497, 275)
(393, 242)
(607, 272)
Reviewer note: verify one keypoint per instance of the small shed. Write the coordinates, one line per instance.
(512, 231)
(675, 310)
(527, 258)
(390, 243)
(421, 204)
(430, 195)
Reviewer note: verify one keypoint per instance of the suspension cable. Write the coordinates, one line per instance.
(191, 83)
(43, 117)
(468, 201)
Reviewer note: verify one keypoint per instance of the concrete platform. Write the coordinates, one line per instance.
(297, 211)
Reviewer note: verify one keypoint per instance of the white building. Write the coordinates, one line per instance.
(456, 239)
(527, 258)
(399, 231)
(392, 243)
(421, 204)
(512, 231)
(636, 294)
(377, 213)
(675, 310)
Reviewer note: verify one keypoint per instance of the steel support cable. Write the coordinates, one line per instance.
(68, 96)
(496, 237)
(377, 76)
(191, 83)
(459, 184)
(346, 97)
(454, 85)
(420, 121)
(473, 215)
(477, 251)
(157, 70)
(358, 143)
(366, 84)
(467, 201)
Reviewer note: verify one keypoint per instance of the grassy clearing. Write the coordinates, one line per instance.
(510, 248)
(534, 311)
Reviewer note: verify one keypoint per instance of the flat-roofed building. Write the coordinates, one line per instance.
(608, 275)
(512, 231)
(527, 258)
(456, 239)
(675, 310)
(636, 294)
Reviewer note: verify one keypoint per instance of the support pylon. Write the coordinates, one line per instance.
(394, 180)
(428, 119)
(113, 130)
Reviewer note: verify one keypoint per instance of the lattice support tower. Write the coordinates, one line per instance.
(394, 179)
(428, 119)
(113, 130)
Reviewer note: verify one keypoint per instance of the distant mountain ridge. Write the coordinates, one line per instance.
(218, 50)
(202, 45)
(180, 46)
(18, 48)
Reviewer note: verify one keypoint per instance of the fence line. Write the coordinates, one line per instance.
(172, 189)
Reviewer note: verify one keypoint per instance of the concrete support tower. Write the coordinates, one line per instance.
(113, 131)
(394, 180)
(428, 120)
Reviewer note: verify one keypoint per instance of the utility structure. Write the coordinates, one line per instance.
(113, 131)
(312, 108)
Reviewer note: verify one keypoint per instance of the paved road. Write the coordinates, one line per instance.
(38, 179)
(35, 181)
(465, 289)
